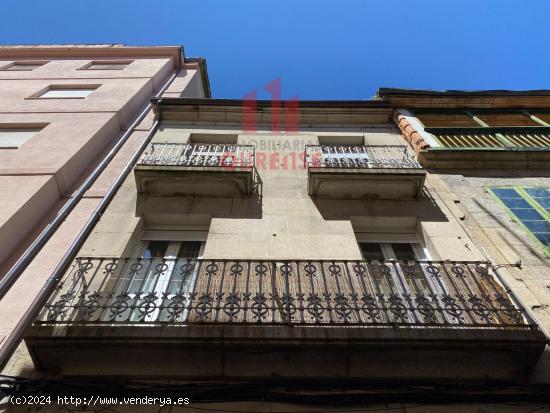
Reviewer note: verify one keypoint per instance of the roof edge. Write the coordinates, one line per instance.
(161, 101)
(44, 51)
(384, 91)
(203, 69)
(290, 112)
(75, 50)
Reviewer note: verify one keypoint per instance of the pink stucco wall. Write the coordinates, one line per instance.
(38, 177)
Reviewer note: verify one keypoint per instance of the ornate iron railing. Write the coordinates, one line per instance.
(503, 137)
(198, 155)
(355, 293)
(359, 156)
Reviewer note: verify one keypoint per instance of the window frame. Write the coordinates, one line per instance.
(385, 241)
(37, 63)
(532, 202)
(398, 277)
(420, 252)
(40, 94)
(36, 128)
(174, 239)
(123, 63)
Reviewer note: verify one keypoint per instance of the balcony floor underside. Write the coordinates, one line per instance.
(366, 183)
(198, 181)
(253, 351)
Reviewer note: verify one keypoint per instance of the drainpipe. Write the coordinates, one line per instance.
(11, 342)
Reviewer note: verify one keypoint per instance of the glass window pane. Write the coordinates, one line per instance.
(506, 193)
(416, 280)
(526, 209)
(14, 138)
(23, 66)
(544, 203)
(155, 249)
(67, 93)
(528, 214)
(403, 252)
(139, 277)
(538, 192)
(371, 251)
(516, 203)
(189, 249)
(538, 226)
(543, 237)
(152, 276)
(107, 66)
(541, 196)
(182, 274)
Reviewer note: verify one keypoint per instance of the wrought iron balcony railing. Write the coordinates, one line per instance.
(236, 163)
(322, 293)
(493, 137)
(360, 156)
(199, 155)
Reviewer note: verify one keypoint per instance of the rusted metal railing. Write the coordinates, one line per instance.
(359, 156)
(358, 293)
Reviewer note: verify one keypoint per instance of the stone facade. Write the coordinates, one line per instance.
(504, 241)
(454, 220)
(466, 180)
(289, 224)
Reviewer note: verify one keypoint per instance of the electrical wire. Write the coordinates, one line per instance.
(305, 392)
(355, 409)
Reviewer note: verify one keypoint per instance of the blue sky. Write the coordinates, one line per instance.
(319, 49)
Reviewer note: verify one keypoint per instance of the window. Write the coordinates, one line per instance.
(170, 267)
(171, 249)
(67, 92)
(23, 66)
(530, 207)
(107, 65)
(401, 251)
(395, 275)
(13, 138)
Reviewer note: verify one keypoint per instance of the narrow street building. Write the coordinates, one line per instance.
(389, 254)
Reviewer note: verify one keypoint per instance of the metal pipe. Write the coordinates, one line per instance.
(527, 312)
(15, 271)
(11, 342)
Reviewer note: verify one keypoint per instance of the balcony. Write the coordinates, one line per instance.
(210, 170)
(355, 171)
(525, 147)
(220, 318)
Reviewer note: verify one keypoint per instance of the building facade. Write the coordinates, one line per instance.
(64, 109)
(364, 259)
(489, 151)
